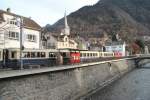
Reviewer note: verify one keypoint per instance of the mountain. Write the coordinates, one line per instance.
(128, 18)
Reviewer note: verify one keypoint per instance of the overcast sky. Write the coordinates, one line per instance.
(44, 11)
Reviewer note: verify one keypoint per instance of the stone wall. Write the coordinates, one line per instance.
(66, 84)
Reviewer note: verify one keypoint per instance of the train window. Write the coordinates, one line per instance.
(91, 54)
(32, 54)
(24, 54)
(95, 54)
(88, 54)
(84, 54)
(42, 54)
(13, 54)
(51, 54)
(28, 54)
(38, 54)
(0, 55)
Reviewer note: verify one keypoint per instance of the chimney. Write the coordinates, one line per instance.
(8, 10)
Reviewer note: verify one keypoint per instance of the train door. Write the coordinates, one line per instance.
(66, 57)
(5, 57)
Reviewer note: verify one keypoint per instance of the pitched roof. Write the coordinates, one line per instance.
(28, 23)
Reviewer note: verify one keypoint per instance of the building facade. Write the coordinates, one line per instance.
(117, 47)
(10, 29)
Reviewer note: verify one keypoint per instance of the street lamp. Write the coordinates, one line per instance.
(21, 31)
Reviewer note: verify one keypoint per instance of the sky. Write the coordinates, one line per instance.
(44, 11)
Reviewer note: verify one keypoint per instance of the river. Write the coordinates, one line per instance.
(133, 86)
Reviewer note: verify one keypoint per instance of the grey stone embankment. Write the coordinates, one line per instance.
(64, 83)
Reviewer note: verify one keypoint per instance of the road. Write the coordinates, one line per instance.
(133, 86)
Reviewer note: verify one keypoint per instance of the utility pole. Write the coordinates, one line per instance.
(21, 32)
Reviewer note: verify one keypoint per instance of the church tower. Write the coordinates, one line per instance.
(66, 30)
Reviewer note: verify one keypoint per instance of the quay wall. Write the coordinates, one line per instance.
(62, 83)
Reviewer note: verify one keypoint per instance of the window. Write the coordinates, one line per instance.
(31, 38)
(84, 54)
(13, 35)
(52, 55)
(12, 22)
(96, 54)
(66, 39)
(25, 54)
(33, 55)
(13, 54)
(38, 54)
(90, 54)
(43, 54)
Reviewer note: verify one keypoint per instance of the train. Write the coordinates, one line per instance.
(30, 58)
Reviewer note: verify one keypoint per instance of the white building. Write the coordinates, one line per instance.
(116, 47)
(63, 40)
(49, 41)
(10, 31)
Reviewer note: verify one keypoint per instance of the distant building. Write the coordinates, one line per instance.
(62, 41)
(116, 47)
(10, 31)
(49, 41)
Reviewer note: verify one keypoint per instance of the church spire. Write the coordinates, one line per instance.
(66, 27)
(66, 23)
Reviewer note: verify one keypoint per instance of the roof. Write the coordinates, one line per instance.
(1, 17)
(27, 22)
